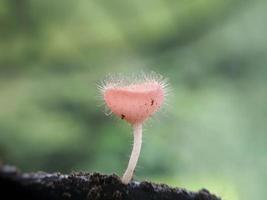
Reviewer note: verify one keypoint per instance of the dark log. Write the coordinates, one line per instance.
(92, 186)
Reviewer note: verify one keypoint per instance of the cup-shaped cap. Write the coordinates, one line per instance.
(136, 102)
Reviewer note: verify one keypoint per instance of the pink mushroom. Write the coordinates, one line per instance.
(134, 102)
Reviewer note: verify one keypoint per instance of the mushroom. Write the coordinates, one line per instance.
(134, 101)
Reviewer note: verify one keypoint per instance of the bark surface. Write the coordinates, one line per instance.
(91, 186)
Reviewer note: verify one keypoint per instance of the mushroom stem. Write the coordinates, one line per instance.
(128, 174)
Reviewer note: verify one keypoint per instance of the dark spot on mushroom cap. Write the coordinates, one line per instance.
(122, 116)
(152, 102)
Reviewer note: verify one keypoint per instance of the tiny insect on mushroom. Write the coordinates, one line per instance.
(134, 101)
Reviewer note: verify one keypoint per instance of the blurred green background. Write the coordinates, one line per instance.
(211, 134)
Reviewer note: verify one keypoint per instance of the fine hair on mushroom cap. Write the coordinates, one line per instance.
(138, 86)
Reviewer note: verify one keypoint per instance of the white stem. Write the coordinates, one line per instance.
(128, 174)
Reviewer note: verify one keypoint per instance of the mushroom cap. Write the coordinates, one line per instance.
(136, 102)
